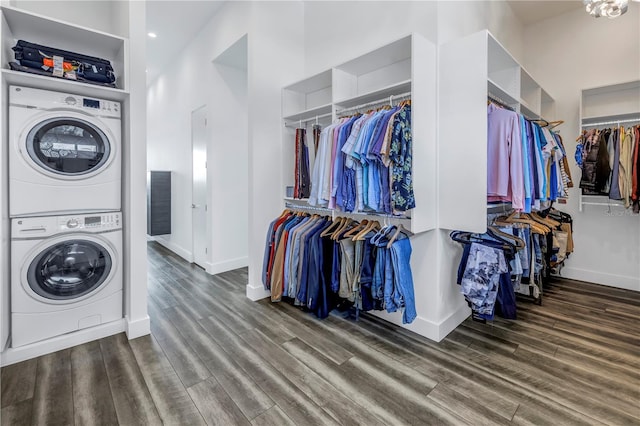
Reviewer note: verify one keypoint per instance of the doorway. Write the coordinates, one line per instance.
(199, 186)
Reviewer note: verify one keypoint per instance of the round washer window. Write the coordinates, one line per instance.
(68, 146)
(69, 270)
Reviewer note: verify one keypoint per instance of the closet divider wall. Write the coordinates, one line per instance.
(473, 69)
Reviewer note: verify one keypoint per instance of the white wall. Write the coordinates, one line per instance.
(566, 54)
(274, 47)
(194, 81)
(229, 166)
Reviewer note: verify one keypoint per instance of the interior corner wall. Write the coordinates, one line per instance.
(566, 54)
(461, 18)
(274, 50)
(228, 161)
(357, 27)
(186, 84)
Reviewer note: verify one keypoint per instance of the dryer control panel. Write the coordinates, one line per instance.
(36, 227)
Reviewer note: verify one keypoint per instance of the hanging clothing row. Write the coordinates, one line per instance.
(364, 163)
(319, 263)
(302, 182)
(527, 164)
(514, 257)
(610, 163)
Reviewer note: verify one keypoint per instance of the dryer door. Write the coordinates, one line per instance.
(68, 147)
(69, 269)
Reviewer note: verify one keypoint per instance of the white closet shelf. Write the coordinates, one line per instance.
(381, 57)
(374, 95)
(528, 112)
(611, 119)
(598, 200)
(309, 113)
(312, 84)
(40, 29)
(497, 91)
(19, 78)
(630, 85)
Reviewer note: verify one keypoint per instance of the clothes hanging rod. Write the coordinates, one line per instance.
(604, 123)
(378, 102)
(612, 204)
(292, 124)
(497, 100)
(335, 212)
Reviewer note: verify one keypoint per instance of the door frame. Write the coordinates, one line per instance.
(201, 107)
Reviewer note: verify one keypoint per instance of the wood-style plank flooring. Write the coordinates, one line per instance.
(216, 358)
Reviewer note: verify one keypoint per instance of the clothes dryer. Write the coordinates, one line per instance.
(65, 153)
(66, 274)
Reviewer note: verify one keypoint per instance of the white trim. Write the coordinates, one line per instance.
(427, 328)
(138, 328)
(610, 280)
(170, 245)
(257, 293)
(33, 350)
(227, 265)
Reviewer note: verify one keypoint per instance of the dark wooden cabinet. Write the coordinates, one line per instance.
(158, 203)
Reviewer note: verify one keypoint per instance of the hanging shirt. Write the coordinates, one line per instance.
(504, 154)
(402, 196)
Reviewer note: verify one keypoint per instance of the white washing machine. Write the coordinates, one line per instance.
(66, 274)
(65, 153)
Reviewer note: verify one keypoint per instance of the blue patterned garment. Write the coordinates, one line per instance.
(400, 153)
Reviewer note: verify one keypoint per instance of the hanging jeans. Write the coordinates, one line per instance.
(403, 279)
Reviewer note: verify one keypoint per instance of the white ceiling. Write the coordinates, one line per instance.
(175, 22)
(530, 12)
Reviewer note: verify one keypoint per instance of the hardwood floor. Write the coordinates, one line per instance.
(216, 358)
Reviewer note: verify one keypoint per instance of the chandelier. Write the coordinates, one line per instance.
(609, 8)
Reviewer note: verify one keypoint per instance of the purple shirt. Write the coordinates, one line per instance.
(505, 176)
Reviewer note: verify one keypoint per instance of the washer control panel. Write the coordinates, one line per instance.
(40, 227)
(89, 222)
(109, 107)
(44, 99)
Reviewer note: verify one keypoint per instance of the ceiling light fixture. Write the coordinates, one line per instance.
(608, 8)
(152, 35)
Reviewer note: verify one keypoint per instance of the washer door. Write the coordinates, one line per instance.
(68, 146)
(69, 269)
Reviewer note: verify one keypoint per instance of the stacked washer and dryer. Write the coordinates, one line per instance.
(64, 203)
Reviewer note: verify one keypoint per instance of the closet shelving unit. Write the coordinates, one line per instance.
(18, 24)
(606, 106)
(405, 68)
(472, 70)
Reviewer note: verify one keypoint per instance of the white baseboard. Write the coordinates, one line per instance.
(427, 328)
(227, 265)
(611, 280)
(138, 328)
(170, 245)
(257, 293)
(452, 321)
(33, 350)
